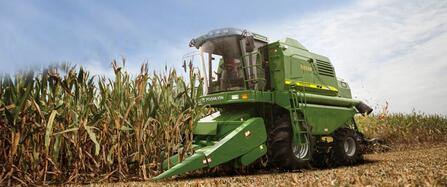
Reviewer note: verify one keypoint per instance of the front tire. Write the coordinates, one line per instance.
(283, 152)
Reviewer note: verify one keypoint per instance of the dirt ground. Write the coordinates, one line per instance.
(418, 166)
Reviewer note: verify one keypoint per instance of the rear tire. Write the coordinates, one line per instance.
(283, 152)
(347, 147)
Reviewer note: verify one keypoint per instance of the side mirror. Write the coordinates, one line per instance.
(249, 44)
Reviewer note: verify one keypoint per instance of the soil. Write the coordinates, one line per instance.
(415, 166)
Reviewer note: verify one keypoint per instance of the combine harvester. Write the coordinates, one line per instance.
(276, 100)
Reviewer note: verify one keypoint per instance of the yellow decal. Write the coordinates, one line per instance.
(305, 68)
(311, 85)
(327, 139)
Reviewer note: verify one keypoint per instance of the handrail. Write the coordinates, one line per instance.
(247, 67)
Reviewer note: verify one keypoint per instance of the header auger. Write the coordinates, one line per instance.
(277, 100)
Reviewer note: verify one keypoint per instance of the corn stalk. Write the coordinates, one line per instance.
(63, 125)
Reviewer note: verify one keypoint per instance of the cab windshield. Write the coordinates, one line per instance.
(222, 65)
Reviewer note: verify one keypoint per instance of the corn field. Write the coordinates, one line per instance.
(398, 129)
(64, 125)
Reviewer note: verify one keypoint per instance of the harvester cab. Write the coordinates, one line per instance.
(274, 100)
(229, 60)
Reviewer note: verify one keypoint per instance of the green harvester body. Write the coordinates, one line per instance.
(279, 78)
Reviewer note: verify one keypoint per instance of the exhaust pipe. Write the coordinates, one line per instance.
(363, 108)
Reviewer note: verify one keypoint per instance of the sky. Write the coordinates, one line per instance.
(389, 51)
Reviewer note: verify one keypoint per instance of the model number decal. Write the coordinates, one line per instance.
(212, 98)
(305, 68)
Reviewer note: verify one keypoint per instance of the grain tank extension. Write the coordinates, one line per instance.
(276, 101)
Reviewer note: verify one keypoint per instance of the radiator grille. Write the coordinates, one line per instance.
(325, 68)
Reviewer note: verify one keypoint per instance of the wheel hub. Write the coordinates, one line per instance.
(301, 151)
(349, 146)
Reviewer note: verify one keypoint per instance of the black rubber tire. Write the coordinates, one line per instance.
(339, 156)
(321, 159)
(280, 146)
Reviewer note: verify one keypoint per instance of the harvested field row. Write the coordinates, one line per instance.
(422, 166)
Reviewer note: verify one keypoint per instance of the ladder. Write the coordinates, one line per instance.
(297, 114)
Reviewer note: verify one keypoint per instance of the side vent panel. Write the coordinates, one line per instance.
(325, 68)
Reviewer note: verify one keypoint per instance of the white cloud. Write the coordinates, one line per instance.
(388, 50)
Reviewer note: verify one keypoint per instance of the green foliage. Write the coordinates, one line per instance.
(64, 125)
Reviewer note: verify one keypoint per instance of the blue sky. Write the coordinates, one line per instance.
(83, 32)
(388, 50)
